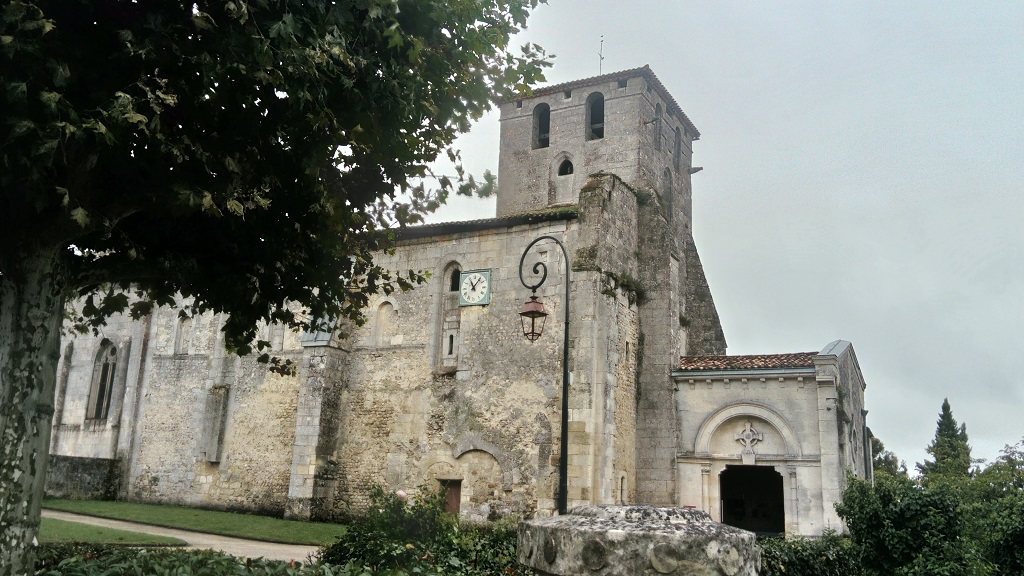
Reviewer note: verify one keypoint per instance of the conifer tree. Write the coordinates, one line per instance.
(950, 451)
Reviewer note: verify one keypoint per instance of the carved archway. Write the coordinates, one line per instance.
(702, 445)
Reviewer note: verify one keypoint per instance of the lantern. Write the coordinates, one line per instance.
(533, 316)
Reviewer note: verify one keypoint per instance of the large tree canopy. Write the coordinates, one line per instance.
(242, 153)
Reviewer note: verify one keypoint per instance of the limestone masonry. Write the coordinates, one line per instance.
(440, 388)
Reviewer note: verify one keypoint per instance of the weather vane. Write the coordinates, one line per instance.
(600, 57)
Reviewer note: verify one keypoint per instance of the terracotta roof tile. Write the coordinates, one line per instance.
(754, 361)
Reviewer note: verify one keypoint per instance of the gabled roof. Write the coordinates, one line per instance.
(750, 362)
(671, 105)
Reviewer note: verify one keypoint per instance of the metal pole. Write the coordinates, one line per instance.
(563, 456)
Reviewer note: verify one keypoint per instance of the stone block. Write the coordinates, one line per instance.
(631, 540)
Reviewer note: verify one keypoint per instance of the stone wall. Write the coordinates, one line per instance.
(700, 317)
(81, 478)
(412, 418)
(230, 454)
(76, 429)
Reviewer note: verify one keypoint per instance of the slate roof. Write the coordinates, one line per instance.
(671, 105)
(750, 362)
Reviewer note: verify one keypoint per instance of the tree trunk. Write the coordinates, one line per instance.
(32, 295)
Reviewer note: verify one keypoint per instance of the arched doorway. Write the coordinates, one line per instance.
(753, 499)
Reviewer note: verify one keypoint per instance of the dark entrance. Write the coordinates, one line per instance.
(752, 499)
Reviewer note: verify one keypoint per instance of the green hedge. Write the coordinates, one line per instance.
(93, 560)
(830, 555)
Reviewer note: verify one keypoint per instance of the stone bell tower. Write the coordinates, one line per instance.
(627, 126)
(625, 123)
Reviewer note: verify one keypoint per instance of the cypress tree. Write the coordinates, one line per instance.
(950, 451)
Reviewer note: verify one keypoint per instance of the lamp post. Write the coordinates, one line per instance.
(532, 316)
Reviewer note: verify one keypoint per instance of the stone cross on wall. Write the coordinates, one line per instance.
(748, 437)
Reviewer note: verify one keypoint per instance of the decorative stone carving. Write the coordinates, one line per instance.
(748, 437)
(630, 540)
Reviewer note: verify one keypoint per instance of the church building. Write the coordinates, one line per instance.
(440, 389)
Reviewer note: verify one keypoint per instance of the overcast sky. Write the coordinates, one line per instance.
(862, 181)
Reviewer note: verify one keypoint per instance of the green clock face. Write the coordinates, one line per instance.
(475, 288)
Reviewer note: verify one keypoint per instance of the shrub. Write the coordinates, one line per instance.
(830, 555)
(108, 561)
(48, 556)
(901, 528)
(486, 548)
(417, 536)
(394, 532)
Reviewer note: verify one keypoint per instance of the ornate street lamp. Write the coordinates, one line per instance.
(533, 316)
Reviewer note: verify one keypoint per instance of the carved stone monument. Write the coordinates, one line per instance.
(636, 540)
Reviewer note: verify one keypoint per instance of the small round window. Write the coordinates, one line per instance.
(565, 168)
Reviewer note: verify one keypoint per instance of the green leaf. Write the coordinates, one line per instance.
(80, 216)
(17, 90)
(61, 74)
(21, 127)
(286, 27)
(208, 204)
(50, 99)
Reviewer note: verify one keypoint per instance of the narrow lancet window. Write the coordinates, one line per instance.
(657, 126)
(541, 126)
(678, 152)
(595, 116)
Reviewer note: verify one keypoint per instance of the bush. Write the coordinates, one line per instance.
(48, 556)
(394, 532)
(116, 561)
(419, 537)
(830, 555)
(900, 528)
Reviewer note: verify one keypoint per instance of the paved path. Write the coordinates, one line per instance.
(198, 540)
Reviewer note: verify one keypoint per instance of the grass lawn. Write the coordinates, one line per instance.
(52, 530)
(225, 523)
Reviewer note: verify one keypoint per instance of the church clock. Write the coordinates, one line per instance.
(475, 288)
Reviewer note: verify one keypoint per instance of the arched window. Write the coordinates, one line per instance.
(385, 324)
(678, 152)
(657, 126)
(102, 382)
(183, 337)
(541, 126)
(565, 168)
(595, 116)
(453, 282)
